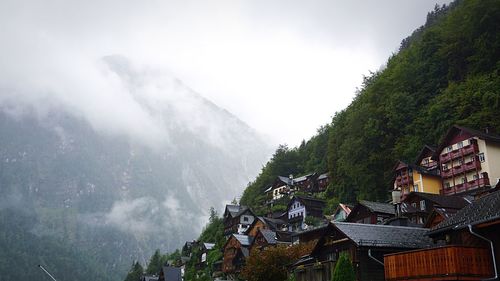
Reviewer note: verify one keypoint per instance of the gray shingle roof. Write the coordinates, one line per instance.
(269, 235)
(172, 273)
(245, 240)
(484, 209)
(375, 235)
(377, 207)
(233, 209)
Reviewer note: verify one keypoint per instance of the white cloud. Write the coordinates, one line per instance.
(283, 66)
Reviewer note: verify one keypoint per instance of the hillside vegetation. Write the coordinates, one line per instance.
(445, 73)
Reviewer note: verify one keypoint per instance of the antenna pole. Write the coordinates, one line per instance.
(45, 270)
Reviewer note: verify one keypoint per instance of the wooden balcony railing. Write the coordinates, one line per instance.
(442, 263)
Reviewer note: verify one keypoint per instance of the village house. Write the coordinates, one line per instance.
(236, 250)
(413, 178)
(371, 212)
(301, 207)
(471, 250)
(341, 213)
(204, 249)
(365, 244)
(417, 206)
(237, 219)
(469, 161)
(286, 186)
(263, 239)
(265, 223)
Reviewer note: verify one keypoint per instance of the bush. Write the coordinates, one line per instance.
(344, 270)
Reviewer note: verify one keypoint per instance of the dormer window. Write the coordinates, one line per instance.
(449, 148)
(460, 144)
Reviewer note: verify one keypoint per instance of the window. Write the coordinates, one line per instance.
(460, 161)
(481, 157)
(426, 161)
(447, 185)
(414, 205)
(449, 148)
(245, 219)
(460, 144)
(464, 180)
(475, 177)
(415, 187)
(445, 167)
(422, 205)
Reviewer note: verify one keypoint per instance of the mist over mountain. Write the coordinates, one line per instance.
(113, 168)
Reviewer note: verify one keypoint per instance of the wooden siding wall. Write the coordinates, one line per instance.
(443, 263)
(315, 273)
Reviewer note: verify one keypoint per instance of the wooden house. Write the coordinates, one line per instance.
(341, 213)
(364, 243)
(236, 250)
(414, 178)
(471, 251)
(263, 239)
(237, 219)
(417, 206)
(371, 212)
(301, 207)
(265, 223)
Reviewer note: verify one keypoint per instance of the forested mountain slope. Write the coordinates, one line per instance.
(445, 73)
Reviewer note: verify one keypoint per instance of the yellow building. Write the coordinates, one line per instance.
(413, 178)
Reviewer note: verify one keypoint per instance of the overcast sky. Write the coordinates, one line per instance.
(282, 66)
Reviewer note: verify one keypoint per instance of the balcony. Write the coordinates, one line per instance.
(472, 165)
(443, 263)
(445, 157)
(458, 153)
(473, 184)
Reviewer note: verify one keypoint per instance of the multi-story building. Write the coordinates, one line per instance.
(469, 160)
(414, 178)
(301, 207)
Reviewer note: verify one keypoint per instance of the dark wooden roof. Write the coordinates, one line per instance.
(454, 202)
(456, 129)
(484, 209)
(427, 150)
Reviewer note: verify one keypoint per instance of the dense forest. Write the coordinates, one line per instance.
(445, 73)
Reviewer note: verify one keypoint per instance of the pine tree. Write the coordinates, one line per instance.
(155, 263)
(135, 272)
(344, 270)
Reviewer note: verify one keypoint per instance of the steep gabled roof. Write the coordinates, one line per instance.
(450, 202)
(426, 150)
(244, 240)
(269, 236)
(484, 209)
(456, 129)
(375, 235)
(232, 210)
